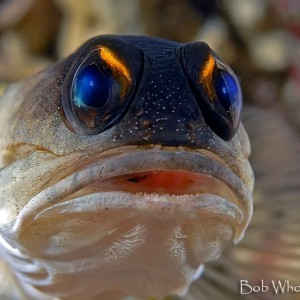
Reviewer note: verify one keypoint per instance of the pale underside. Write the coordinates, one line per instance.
(115, 228)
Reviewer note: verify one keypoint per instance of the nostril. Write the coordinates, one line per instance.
(147, 124)
(190, 125)
(139, 111)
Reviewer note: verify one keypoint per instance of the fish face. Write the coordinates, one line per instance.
(124, 169)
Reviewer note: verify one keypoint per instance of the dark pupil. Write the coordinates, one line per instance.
(92, 87)
(226, 89)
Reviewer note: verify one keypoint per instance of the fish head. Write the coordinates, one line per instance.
(124, 168)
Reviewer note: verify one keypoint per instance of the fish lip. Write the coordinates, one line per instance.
(140, 160)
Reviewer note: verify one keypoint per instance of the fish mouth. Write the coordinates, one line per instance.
(164, 177)
(161, 182)
(154, 214)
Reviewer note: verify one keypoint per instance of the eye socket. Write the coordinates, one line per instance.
(100, 85)
(215, 86)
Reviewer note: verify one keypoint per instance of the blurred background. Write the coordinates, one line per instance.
(260, 40)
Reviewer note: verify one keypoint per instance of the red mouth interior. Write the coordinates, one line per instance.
(172, 182)
(164, 182)
(164, 179)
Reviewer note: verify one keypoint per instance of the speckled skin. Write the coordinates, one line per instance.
(161, 128)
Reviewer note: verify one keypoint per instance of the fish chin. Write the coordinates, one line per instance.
(159, 244)
(125, 221)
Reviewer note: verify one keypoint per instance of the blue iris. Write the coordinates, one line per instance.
(227, 89)
(92, 87)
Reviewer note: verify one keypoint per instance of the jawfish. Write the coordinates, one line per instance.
(124, 169)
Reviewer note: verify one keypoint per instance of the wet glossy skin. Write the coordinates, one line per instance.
(136, 193)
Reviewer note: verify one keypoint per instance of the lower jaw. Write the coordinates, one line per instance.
(160, 247)
(103, 217)
(146, 253)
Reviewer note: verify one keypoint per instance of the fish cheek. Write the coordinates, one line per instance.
(39, 119)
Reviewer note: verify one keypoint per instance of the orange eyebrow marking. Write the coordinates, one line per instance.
(206, 76)
(119, 69)
(114, 62)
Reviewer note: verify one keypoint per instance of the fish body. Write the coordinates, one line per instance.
(124, 169)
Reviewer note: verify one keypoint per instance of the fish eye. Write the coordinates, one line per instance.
(228, 91)
(223, 97)
(216, 88)
(99, 86)
(92, 87)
